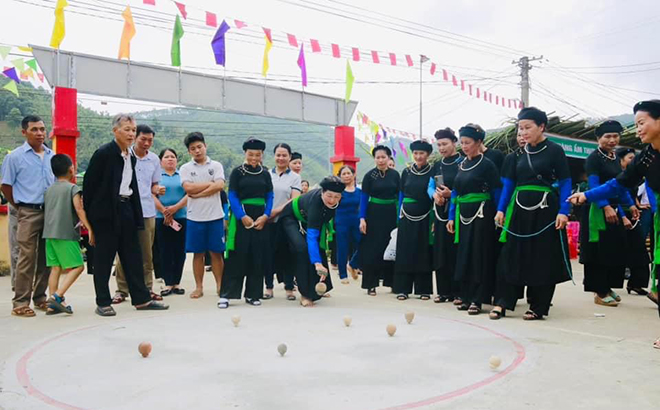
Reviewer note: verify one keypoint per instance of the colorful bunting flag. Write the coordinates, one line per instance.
(29, 73)
(462, 85)
(4, 51)
(374, 57)
(316, 47)
(454, 81)
(445, 75)
(126, 35)
(478, 93)
(211, 19)
(177, 34)
(356, 54)
(239, 24)
(302, 65)
(392, 58)
(19, 63)
(470, 89)
(149, 2)
(335, 51)
(403, 149)
(58, 29)
(269, 45)
(182, 9)
(293, 42)
(26, 49)
(41, 77)
(433, 68)
(11, 73)
(218, 43)
(349, 82)
(409, 60)
(32, 63)
(11, 87)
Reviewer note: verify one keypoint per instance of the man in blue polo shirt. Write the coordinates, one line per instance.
(27, 176)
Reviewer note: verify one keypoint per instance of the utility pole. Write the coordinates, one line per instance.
(524, 65)
(422, 60)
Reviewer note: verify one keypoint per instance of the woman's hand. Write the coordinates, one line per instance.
(561, 222)
(626, 223)
(248, 223)
(450, 226)
(610, 215)
(321, 270)
(168, 212)
(363, 226)
(260, 222)
(499, 218)
(438, 198)
(577, 199)
(634, 211)
(444, 191)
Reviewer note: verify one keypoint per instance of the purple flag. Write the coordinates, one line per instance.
(302, 65)
(218, 43)
(11, 73)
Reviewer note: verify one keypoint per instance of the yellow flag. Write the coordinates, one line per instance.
(269, 45)
(58, 29)
(127, 34)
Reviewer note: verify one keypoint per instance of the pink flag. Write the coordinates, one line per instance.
(462, 85)
(374, 57)
(239, 24)
(433, 68)
(470, 88)
(149, 2)
(182, 9)
(478, 93)
(316, 47)
(490, 98)
(497, 100)
(509, 102)
(392, 58)
(293, 42)
(486, 96)
(335, 51)
(356, 54)
(302, 65)
(521, 105)
(268, 34)
(454, 80)
(409, 60)
(41, 75)
(445, 75)
(211, 19)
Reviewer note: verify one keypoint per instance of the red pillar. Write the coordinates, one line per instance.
(65, 121)
(344, 148)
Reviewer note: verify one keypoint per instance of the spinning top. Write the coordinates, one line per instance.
(144, 348)
(391, 329)
(409, 317)
(494, 362)
(281, 349)
(347, 321)
(236, 319)
(321, 288)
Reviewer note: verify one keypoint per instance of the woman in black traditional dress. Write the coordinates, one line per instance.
(534, 253)
(636, 256)
(444, 248)
(473, 203)
(305, 222)
(378, 218)
(412, 267)
(646, 165)
(602, 233)
(251, 201)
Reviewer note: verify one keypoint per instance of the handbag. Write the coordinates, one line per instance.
(390, 250)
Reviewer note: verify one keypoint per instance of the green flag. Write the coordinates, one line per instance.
(32, 63)
(4, 51)
(176, 42)
(11, 87)
(349, 81)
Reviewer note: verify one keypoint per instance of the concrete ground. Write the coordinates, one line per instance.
(572, 360)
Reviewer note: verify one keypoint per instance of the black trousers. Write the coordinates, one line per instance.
(126, 244)
(474, 292)
(602, 278)
(540, 297)
(277, 259)
(639, 276)
(172, 251)
(420, 282)
(445, 283)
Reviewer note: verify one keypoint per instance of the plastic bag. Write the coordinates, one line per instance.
(390, 251)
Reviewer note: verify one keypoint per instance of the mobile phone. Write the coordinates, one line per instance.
(439, 181)
(175, 225)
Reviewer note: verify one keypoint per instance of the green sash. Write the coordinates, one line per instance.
(512, 205)
(233, 224)
(596, 222)
(382, 201)
(407, 200)
(327, 230)
(466, 199)
(656, 251)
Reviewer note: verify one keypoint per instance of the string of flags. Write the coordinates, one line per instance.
(18, 69)
(374, 133)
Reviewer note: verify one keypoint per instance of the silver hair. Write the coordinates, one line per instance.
(119, 118)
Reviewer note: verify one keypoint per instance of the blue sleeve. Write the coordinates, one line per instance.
(225, 209)
(564, 193)
(313, 236)
(626, 199)
(431, 188)
(496, 194)
(610, 189)
(236, 207)
(452, 205)
(620, 211)
(364, 203)
(651, 195)
(594, 182)
(269, 203)
(398, 210)
(507, 192)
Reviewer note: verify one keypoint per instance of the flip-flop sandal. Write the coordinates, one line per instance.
(253, 302)
(153, 305)
(43, 306)
(291, 296)
(473, 310)
(196, 294)
(372, 292)
(155, 296)
(497, 314)
(402, 296)
(118, 298)
(23, 311)
(458, 302)
(166, 292)
(656, 344)
(463, 306)
(267, 296)
(178, 291)
(425, 297)
(530, 315)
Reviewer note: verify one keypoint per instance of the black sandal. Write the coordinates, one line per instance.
(462, 306)
(402, 296)
(639, 291)
(497, 314)
(167, 292)
(425, 297)
(473, 309)
(371, 292)
(531, 315)
(178, 291)
(253, 302)
(443, 299)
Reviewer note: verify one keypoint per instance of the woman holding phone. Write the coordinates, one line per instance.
(171, 224)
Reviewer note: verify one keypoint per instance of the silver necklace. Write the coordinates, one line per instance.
(535, 152)
(423, 171)
(261, 169)
(381, 173)
(607, 156)
(442, 160)
(473, 166)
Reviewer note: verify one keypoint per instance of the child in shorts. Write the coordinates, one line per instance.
(63, 209)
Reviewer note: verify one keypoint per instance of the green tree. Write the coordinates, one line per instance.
(14, 117)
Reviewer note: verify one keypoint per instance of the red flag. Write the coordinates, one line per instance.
(470, 88)
(335, 51)
(365, 119)
(182, 9)
(316, 48)
(374, 57)
(239, 24)
(211, 19)
(454, 80)
(462, 85)
(433, 68)
(356, 54)
(409, 60)
(445, 75)
(149, 2)
(392, 58)
(478, 93)
(292, 40)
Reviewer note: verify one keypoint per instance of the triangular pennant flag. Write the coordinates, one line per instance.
(375, 57)
(182, 9)
(349, 82)
(239, 24)
(58, 29)
(127, 34)
(41, 77)
(269, 45)
(32, 63)
(211, 19)
(11, 86)
(29, 73)
(19, 63)
(302, 65)
(4, 51)
(26, 49)
(24, 76)
(11, 73)
(177, 33)
(316, 47)
(293, 42)
(218, 43)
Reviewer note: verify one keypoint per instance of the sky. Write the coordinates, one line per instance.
(598, 58)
